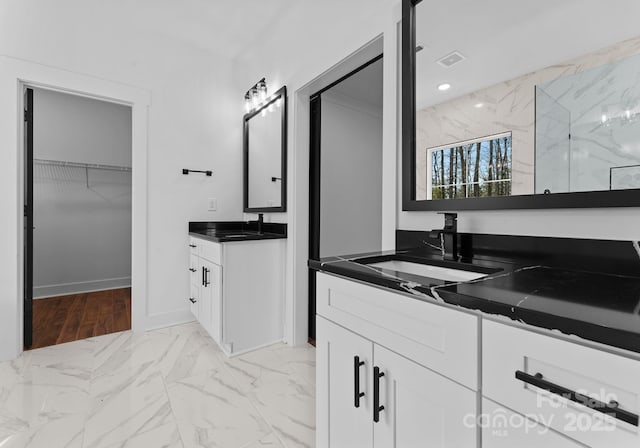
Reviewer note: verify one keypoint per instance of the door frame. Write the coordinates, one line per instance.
(315, 174)
(27, 146)
(28, 204)
(15, 75)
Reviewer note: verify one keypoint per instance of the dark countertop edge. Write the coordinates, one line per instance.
(217, 239)
(569, 328)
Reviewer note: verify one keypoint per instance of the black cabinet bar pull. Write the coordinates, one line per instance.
(202, 276)
(377, 374)
(206, 277)
(192, 269)
(606, 408)
(192, 300)
(192, 245)
(356, 381)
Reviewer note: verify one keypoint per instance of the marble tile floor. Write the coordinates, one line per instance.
(167, 388)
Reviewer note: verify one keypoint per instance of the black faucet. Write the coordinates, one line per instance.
(260, 222)
(448, 236)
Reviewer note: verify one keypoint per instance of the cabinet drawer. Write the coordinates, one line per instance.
(442, 339)
(194, 300)
(502, 428)
(211, 251)
(194, 246)
(195, 270)
(566, 368)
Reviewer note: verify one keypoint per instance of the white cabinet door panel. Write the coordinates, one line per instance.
(421, 408)
(340, 424)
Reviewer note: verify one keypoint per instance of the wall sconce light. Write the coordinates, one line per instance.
(255, 96)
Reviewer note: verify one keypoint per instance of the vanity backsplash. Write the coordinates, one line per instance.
(604, 256)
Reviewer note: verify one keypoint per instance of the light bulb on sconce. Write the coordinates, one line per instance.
(247, 102)
(262, 89)
(256, 95)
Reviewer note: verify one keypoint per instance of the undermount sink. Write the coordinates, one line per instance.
(428, 270)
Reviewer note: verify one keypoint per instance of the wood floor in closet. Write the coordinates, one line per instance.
(79, 316)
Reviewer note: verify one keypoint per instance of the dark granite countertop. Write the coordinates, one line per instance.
(601, 307)
(234, 231)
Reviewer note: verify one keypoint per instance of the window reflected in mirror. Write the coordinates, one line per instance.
(476, 168)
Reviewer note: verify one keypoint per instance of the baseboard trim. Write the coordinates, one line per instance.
(170, 319)
(62, 289)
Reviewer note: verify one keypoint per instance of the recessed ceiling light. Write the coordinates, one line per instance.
(444, 86)
(478, 105)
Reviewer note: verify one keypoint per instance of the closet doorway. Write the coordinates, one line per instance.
(78, 217)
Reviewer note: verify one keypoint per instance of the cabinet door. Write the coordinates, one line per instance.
(502, 428)
(421, 408)
(341, 422)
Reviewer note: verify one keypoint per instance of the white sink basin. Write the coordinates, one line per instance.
(427, 270)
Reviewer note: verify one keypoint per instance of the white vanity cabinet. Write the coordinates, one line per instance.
(418, 405)
(426, 362)
(237, 291)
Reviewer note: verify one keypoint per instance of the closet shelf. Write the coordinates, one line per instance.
(95, 166)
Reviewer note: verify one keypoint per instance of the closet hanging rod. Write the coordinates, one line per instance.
(96, 166)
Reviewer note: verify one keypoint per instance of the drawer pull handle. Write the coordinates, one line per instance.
(377, 374)
(192, 300)
(356, 381)
(610, 408)
(192, 245)
(207, 282)
(192, 269)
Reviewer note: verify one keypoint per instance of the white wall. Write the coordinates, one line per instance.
(78, 129)
(190, 125)
(82, 236)
(350, 175)
(312, 40)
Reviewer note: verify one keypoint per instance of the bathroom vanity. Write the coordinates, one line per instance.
(237, 283)
(525, 354)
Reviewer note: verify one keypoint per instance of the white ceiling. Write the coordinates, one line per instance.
(225, 28)
(504, 39)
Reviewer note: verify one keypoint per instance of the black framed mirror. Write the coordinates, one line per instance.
(508, 105)
(265, 156)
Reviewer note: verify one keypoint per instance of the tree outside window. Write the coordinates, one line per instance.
(472, 169)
